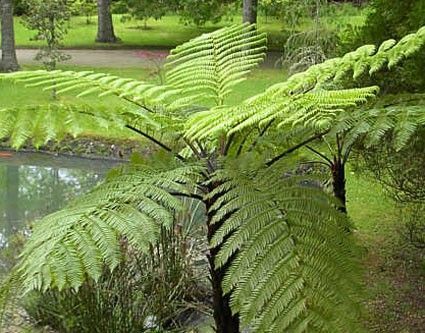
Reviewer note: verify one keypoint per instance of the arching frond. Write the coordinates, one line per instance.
(74, 244)
(212, 64)
(399, 116)
(42, 123)
(315, 109)
(292, 265)
(278, 98)
(83, 83)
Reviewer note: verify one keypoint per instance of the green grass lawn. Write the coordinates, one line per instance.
(12, 94)
(170, 31)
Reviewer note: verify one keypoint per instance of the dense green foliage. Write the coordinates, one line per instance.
(394, 19)
(145, 9)
(86, 8)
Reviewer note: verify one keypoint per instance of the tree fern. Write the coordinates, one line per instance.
(280, 250)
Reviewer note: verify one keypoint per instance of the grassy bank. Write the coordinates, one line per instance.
(394, 268)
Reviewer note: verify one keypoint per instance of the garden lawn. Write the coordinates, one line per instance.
(170, 31)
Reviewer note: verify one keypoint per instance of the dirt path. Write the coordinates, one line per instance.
(117, 58)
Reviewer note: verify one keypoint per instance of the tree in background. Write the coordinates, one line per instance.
(392, 19)
(9, 61)
(105, 27)
(202, 11)
(48, 18)
(86, 8)
(146, 9)
(250, 10)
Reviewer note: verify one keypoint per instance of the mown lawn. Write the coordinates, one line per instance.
(170, 31)
(17, 95)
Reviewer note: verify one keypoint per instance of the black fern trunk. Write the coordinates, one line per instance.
(225, 321)
(338, 182)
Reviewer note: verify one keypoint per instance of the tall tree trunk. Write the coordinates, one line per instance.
(225, 321)
(105, 27)
(338, 182)
(9, 62)
(250, 9)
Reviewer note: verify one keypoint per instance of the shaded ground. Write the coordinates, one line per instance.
(394, 268)
(396, 279)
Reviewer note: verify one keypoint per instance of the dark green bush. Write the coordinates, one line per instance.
(386, 20)
(402, 173)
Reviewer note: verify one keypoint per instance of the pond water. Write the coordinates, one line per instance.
(35, 184)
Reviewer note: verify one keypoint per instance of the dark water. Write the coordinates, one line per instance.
(33, 185)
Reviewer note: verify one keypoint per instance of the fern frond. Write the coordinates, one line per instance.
(212, 64)
(74, 244)
(316, 109)
(295, 267)
(400, 115)
(43, 123)
(279, 98)
(147, 95)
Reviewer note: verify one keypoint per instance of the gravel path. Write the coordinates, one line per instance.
(118, 58)
(103, 58)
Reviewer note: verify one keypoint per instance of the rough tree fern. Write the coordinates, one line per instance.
(280, 257)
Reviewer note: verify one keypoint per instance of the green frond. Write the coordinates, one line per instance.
(44, 123)
(84, 83)
(75, 244)
(317, 109)
(400, 116)
(293, 268)
(279, 100)
(212, 64)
